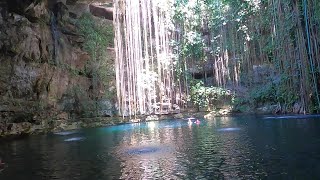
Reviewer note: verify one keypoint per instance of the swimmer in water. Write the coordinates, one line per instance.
(189, 121)
(197, 121)
(2, 164)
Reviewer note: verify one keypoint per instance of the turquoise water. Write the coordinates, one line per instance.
(242, 147)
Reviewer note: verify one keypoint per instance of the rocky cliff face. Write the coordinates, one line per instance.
(42, 84)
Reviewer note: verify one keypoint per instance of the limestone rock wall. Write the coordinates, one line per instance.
(41, 60)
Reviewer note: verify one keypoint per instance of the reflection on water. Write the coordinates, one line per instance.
(246, 147)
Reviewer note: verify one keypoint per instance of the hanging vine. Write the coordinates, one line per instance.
(162, 45)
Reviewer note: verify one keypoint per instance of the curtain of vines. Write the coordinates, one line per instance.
(233, 37)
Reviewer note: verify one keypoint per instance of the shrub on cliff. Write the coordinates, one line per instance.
(98, 37)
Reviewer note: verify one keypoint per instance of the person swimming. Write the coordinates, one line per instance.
(189, 121)
(197, 121)
(2, 164)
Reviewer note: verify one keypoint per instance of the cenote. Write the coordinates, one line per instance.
(75, 64)
(240, 147)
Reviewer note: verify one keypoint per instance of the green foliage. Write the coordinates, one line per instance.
(98, 37)
(208, 97)
(193, 46)
(84, 105)
(317, 10)
(273, 93)
(241, 104)
(263, 94)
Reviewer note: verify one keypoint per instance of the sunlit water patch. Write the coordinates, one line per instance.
(147, 161)
(147, 125)
(122, 127)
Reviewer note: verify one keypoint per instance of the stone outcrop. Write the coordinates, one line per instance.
(100, 11)
(42, 84)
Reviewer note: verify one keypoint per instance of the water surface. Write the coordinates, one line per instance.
(243, 147)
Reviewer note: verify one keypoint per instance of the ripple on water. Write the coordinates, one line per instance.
(143, 150)
(293, 117)
(74, 139)
(154, 161)
(228, 129)
(65, 133)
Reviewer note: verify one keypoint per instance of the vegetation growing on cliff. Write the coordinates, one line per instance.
(209, 98)
(97, 38)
